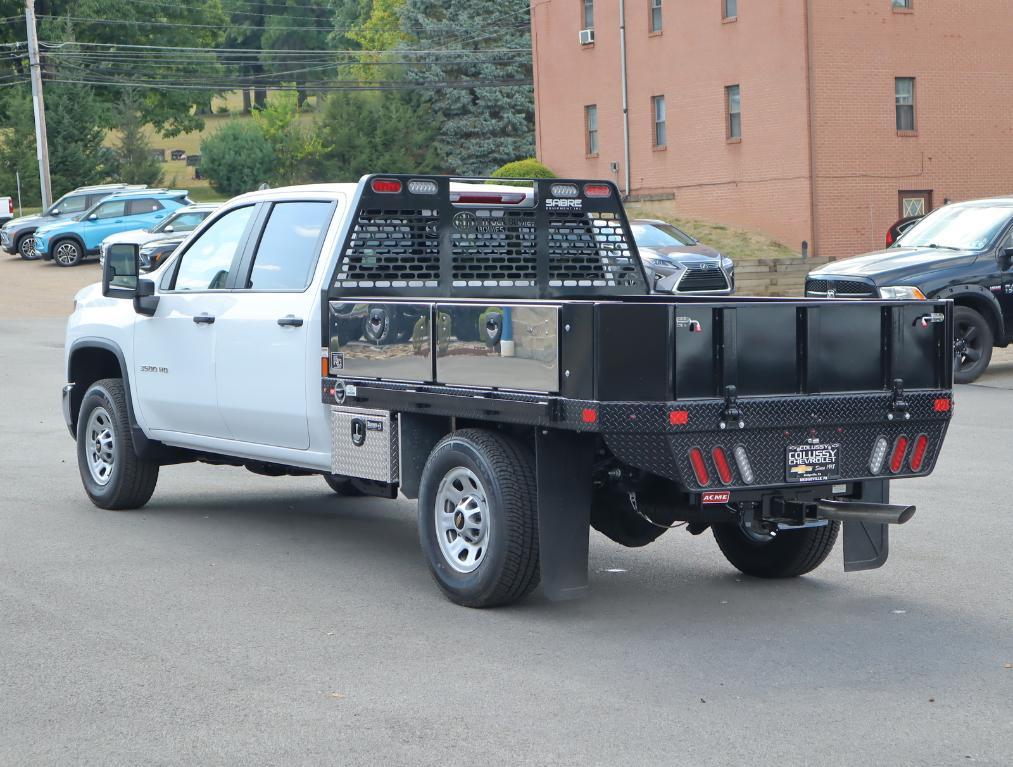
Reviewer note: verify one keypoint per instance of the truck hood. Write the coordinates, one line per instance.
(131, 237)
(887, 266)
(687, 253)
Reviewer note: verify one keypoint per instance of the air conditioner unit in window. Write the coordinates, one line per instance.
(586, 36)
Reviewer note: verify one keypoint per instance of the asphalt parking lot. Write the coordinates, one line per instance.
(244, 620)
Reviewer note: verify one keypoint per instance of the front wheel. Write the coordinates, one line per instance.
(113, 475)
(26, 248)
(478, 522)
(973, 335)
(67, 253)
(788, 554)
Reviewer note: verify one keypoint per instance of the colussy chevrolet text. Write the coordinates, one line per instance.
(493, 351)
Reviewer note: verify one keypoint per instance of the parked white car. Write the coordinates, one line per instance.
(6, 209)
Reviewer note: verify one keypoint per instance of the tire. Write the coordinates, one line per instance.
(974, 330)
(67, 253)
(104, 423)
(613, 515)
(26, 247)
(789, 554)
(342, 485)
(488, 480)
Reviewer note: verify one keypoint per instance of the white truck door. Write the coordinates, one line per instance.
(268, 340)
(174, 351)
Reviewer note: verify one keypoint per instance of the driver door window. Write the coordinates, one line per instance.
(74, 204)
(206, 263)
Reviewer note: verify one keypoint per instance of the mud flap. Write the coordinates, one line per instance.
(563, 466)
(866, 545)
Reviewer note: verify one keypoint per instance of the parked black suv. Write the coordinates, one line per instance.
(963, 252)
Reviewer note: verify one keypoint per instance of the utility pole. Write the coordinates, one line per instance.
(41, 142)
(626, 102)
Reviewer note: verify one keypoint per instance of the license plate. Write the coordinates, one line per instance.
(813, 463)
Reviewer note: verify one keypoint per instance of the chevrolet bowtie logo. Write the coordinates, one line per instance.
(803, 469)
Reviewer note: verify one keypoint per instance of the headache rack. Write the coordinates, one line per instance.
(442, 236)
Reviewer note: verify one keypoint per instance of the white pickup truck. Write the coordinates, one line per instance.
(6, 209)
(494, 351)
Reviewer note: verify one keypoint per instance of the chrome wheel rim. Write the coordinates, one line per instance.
(27, 247)
(100, 444)
(462, 520)
(67, 253)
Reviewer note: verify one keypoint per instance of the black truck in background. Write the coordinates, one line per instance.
(962, 252)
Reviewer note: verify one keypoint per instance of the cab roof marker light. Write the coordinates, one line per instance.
(597, 190)
(878, 456)
(564, 190)
(422, 186)
(745, 467)
(386, 186)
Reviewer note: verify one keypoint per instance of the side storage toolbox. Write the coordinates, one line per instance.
(364, 444)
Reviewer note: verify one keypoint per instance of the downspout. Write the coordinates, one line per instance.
(626, 105)
(807, 13)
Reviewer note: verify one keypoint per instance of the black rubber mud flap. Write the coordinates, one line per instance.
(867, 546)
(563, 462)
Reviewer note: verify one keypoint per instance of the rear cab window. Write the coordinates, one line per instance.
(289, 245)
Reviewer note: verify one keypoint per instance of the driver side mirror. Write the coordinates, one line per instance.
(169, 228)
(1006, 257)
(120, 280)
(54, 212)
(93, 217)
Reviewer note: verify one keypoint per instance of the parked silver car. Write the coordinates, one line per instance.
(678, 263)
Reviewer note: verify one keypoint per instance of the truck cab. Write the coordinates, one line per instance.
(495, 353)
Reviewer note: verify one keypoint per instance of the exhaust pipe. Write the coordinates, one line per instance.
(864, 511)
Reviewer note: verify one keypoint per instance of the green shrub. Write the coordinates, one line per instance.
(237, 158)
(528, 168)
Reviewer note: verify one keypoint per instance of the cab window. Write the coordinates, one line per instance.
(288, 248)
(206, 263)
(111, 209)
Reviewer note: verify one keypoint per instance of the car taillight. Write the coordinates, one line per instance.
(878, 457)
(899, 452)
(889, 238)
(699, 467)
(918, 452)
(721, 464)
(386, 186)
(10, 205)
(742, 461)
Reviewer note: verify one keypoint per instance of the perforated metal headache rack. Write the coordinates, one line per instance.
(482, 238)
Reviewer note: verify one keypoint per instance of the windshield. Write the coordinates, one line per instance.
(660, 236)
(957, 228)
(185, 221)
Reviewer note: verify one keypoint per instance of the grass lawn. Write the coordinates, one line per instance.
(737, 244)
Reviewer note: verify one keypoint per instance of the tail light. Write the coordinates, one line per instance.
(878, 457)
(942, 405)
(678, 417)
(918, 453)
(899, 453)
(589, 415)
(597, 190)
(386, 186)
(488, 198)
(889, 238)
(10, 205)
(721, 464)
(742, 461)
(699, 467)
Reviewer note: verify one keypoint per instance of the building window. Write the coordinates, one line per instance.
(905, 98)
(588, 15)
(591, 129)
(655, 15)
(917, 203)
(903, 4)
(733, 105)
(658, 107)
(729, 9)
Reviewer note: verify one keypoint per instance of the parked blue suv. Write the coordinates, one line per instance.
(70, 242)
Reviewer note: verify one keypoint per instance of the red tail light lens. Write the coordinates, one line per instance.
(386, 186)
(899, 452)
(918, 453)
(699, 467)
(721, 464)
(889, 238)
(488, 198)
(597, 190)
(941, 405)
(589, 415)
(678, 417)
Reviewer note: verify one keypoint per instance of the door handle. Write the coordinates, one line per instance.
(290, 322)
(204, 319)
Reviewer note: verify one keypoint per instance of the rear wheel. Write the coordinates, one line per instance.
(26, 247)
(973, 336)
(113, 475)
(478, 522)
(67, 253)
(788, 554)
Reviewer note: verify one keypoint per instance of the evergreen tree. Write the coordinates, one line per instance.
(482, 127)
(134, 162)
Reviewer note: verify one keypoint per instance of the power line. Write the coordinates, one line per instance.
(56, 45)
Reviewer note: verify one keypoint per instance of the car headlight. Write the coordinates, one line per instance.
(901, 292)
(727, 264)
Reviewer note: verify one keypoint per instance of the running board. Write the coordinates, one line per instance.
(864, 511)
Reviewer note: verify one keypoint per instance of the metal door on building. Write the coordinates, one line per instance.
(915, 203)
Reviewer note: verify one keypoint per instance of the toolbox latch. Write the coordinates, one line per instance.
(899, 407)
(731, 416)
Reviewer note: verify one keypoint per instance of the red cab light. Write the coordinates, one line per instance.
(699, 467)
(488, 198)
(721, 464)
(678, 417)
(589, 415)
(899, 452)
(386, 186)
(918, 453)
(942, 405)
(597, 190)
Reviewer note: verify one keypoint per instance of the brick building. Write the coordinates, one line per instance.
(815, 120)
